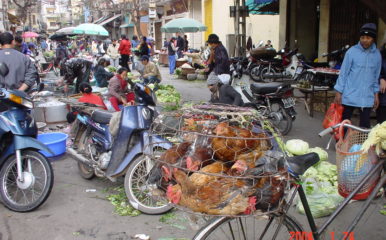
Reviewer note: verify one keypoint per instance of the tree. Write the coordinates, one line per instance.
(23, 8)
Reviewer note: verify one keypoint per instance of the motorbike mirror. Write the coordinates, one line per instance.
(40, 87)
(347, 46)
(324, 54)
(3, 69)
(261, 43)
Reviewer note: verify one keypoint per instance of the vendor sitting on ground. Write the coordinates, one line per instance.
(196, 60)
(119, 93)
(89, 97)
(151, 73)
(101, 75)
(223, 93)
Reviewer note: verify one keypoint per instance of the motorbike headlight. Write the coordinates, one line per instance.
(20, 100)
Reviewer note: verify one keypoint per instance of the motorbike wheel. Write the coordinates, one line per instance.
(254, 73)
(266, 71)
(85, 171)
(37, 185)
(143, 196)
(280, 118)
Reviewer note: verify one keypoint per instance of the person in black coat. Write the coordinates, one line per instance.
(381, 110)
(223, 93)
(180, 46)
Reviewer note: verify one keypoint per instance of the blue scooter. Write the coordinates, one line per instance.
(100, 153)
(26, 176)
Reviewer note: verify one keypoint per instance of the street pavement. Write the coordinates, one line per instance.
(78, 209)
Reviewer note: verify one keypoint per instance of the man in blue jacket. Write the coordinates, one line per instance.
(357, 86)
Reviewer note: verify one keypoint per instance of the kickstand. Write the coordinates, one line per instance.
(329, 141)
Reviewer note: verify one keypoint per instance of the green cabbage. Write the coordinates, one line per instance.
(323, 197)
(323, 155)
(297, 146)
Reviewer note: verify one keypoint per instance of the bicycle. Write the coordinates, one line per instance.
(248, 227)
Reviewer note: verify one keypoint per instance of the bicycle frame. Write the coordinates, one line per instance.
(317, 232)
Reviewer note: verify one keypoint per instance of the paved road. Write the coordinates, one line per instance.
(71, 212)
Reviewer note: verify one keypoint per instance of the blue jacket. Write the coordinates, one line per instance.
(382, 96)
(359, 76)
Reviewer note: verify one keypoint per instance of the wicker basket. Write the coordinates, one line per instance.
(353, 164)
(186, 71)
(224, 161)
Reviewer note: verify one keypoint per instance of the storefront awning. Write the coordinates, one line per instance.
(110, 20)
(13, 19)
(100, 20)
(269, 7)
(127, 25)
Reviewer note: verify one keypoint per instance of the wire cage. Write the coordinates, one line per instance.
(224, 160)
(353, 164)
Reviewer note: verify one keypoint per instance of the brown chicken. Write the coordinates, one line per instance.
(201, 178)
(234, 141)
(224, 196)
(244, 162)
(173, 156)
(269, 191)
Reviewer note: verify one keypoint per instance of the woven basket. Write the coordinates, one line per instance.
(186, 71)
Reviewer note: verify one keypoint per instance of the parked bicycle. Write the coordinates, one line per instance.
(280, 225)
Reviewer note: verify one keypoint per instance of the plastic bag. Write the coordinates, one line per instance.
(333, 117)
(323, 198)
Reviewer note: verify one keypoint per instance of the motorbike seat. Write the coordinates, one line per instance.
(101, 116)
(265, 88)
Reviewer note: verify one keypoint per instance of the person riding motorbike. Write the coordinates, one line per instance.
(223, 93)
(22, 72)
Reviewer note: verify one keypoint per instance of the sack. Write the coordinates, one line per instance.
(333, 117)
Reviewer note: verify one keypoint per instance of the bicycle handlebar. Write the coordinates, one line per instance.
(331, 129)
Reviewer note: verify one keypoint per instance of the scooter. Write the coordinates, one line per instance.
(26, 176)
(100, 153)
(273, 100)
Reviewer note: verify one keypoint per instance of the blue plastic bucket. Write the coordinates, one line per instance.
(55, 141)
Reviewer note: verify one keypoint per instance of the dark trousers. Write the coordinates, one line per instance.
(364, 115)
(125, 61)
(381, 114)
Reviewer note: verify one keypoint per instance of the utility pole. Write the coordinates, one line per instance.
(240, 13)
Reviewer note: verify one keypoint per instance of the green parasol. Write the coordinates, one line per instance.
(91, 29)
(184, 25)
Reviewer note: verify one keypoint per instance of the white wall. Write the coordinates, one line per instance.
(259, 27)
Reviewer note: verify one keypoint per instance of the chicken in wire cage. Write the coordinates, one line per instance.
(225, 161)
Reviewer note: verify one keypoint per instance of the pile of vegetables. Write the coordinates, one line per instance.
(377, 138)
(168, 96)
(121, 205)
(320, 181)
(112, 69)
(49, 54)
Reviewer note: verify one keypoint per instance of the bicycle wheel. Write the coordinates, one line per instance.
(249, 228)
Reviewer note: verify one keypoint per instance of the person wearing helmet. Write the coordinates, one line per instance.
(357, 86)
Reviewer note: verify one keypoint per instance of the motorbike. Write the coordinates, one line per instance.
(266, 67)
(103, 154)
(26, 176)
(273, 100)
(335, 58)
